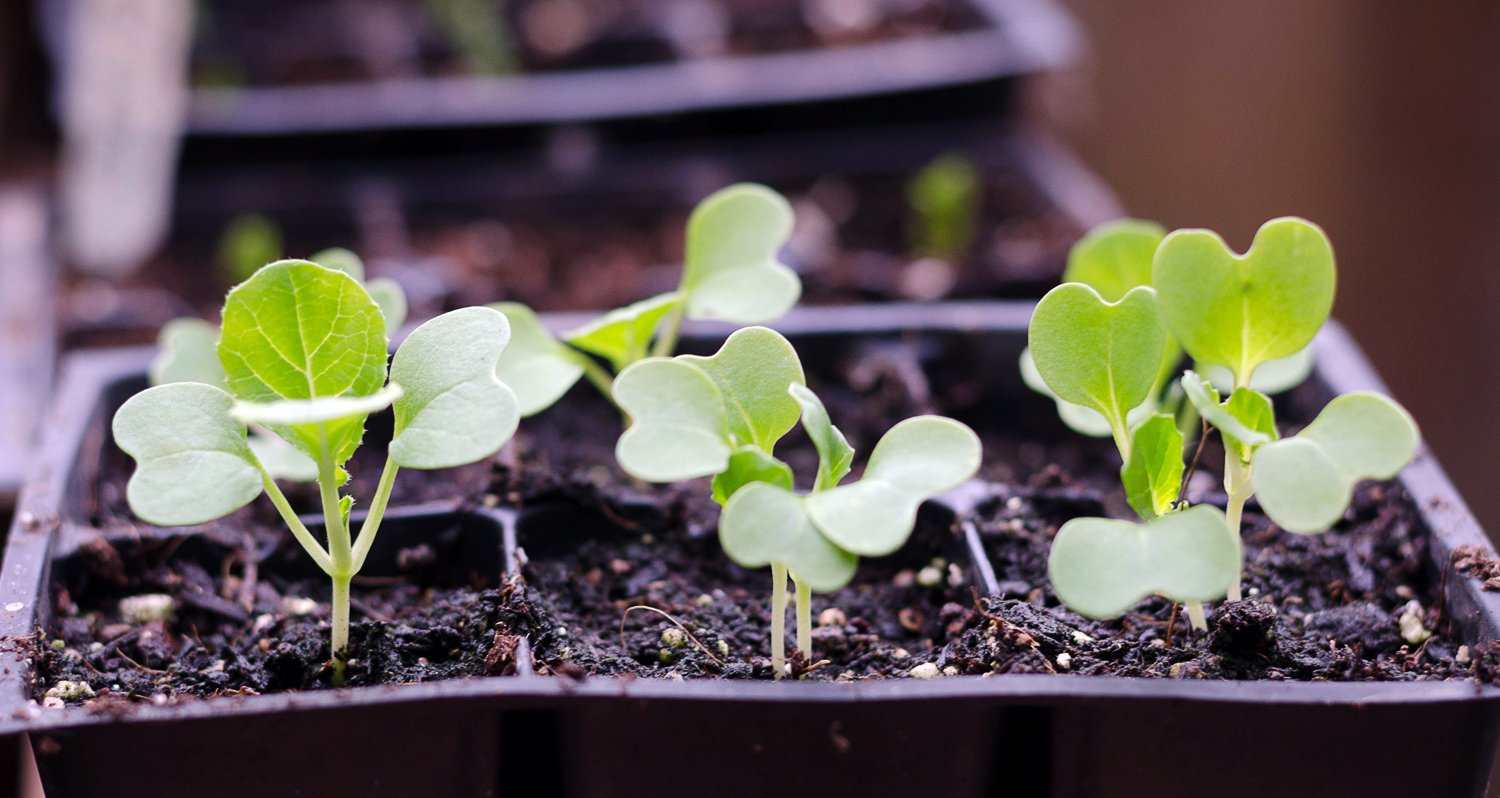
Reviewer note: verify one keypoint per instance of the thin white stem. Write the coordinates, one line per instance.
(1238, 485)
(340, 642)
(1196, 615)
(778, 619)
(667, 341)
(371, 526)
(299, 530)
(804, 620)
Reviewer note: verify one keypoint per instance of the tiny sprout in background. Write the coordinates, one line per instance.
(945, 200)
(302, 358)
(731, 272)
(250, 241)
(1108, 348)
(721, 416)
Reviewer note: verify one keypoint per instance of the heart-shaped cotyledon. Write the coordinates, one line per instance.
(730, 266)
(1239, 311)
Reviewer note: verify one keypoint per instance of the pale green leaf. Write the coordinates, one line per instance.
(750, 464)
(835, 455)
(391, 298)
(678, 429)
(1240, 311)
(537, 366)
(623, 336)
(730, 270)
(281, 460)
(250, 241)
(1246, 422)
(1153, 474)
(297, 330)
(454, 410)
(1104, 356)
(192, 462)
(308, 413)
(1101, 567)
(753, 369)
(1078, 418)
(917, 459)
(341, 259)
(187, 350)
(1304, 483)
(763, 523)
(1115, 257)
(1272, 377)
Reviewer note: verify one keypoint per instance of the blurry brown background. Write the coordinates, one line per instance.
(1380, 121)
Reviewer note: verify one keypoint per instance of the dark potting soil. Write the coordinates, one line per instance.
(1352, 604)
(251, 44)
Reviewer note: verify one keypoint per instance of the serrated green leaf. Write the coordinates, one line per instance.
(623, 336)
(192, 462)
(1153, 474)
(763, 523)
(306, 414)
(1245, 420)
(296, 330)
(678, 428)
(835, 455)
(753, 369)
(1101, 567)
(537, 366)
(1115, 257)
(730, 270)
(187, 350)
(750, 464)
(917, 459)
(1304, 483)
(1103, 356)
(454, 410)
(1240, 311)
(1271, 377)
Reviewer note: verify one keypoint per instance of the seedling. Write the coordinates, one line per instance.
(250, 241)
(945, 198)
(730, 273)
(303, 355)
(1104, 358)
(721, 416)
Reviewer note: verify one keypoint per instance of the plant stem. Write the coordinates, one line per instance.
(804, 620)
(340, 642)
(341, 569)
(299, 530)
(1196, 616)
(778, 618)
(373, 518)
(598, 376)
(1237, 485)
(667, 341)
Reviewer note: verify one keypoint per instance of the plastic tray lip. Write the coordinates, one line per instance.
(1019, 36)
(85, 375)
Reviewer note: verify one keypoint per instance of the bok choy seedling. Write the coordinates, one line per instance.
(1108, 349)
(721, 416)
(302, 354)
(730, 273)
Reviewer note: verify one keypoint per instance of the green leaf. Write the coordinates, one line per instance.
(945, 196)
(343, 260)
(249, 242)
(296, 330)
(730, 270)
(281, 460)
(1078, 418)
(299, 413)
(1153, 474)
(1115, 257)
(391, 298)
(1240, 311)
(835, 455)
(1246, 419)
(187, 351)
(1100, 567)
(192, 462)
(622, 336)
(763, 523)
(1272, 377)
(750, 464)
(917, 459)
(1304, 483)
(1101, 355)
(454, 410)
(753, 369)
(537, 366)
(678, 430)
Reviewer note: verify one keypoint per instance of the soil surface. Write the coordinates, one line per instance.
(267, 43)
(250, 614)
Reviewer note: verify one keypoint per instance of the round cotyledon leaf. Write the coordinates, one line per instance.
(187, 350)
(453, 409)
(1115, 257)
(1100, 567)
(1304, 483)
(537, 366)
(730, 266)
(678, 429)
(765, 523)
(192, 461)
